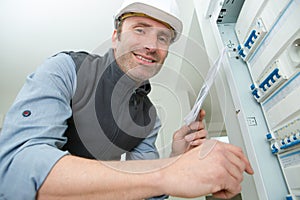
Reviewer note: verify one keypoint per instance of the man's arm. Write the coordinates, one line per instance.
(78, 178)
(33, 130)
(213, 167)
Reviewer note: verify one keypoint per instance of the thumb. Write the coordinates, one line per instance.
(201, 115)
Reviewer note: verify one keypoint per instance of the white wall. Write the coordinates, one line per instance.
(32, 30)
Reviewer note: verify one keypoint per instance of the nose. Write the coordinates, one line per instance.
(151, 43)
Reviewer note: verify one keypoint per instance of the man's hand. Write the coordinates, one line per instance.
(213, 168)
(188, 137)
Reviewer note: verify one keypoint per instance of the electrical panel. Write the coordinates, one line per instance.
(262, 75)
(268, 33)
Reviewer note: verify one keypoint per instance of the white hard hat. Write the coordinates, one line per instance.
(162, 10)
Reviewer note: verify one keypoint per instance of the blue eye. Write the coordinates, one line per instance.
(164, 40)
(139, 30)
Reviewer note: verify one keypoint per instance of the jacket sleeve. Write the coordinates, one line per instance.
(33, 129)
(146, 150)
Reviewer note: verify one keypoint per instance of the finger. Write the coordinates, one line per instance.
(197, 125)
(248, 167)
(235, 166)
(183, 131)
(227, 193)
(198, 142)
(230, 185)
(238, 152)
(196, 135)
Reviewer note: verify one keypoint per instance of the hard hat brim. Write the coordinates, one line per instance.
(153, 12)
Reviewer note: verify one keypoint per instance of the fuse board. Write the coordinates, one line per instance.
(270, 46)
(260, 83)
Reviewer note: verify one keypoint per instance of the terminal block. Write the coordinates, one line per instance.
(252, 41)
(268, 82)
(285, 138)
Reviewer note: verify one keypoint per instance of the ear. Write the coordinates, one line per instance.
(114, 39)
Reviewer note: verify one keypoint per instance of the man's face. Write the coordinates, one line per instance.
(142, 47)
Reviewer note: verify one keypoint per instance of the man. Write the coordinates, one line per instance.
(78, 108)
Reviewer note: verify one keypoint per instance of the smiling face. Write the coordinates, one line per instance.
(142, 47)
